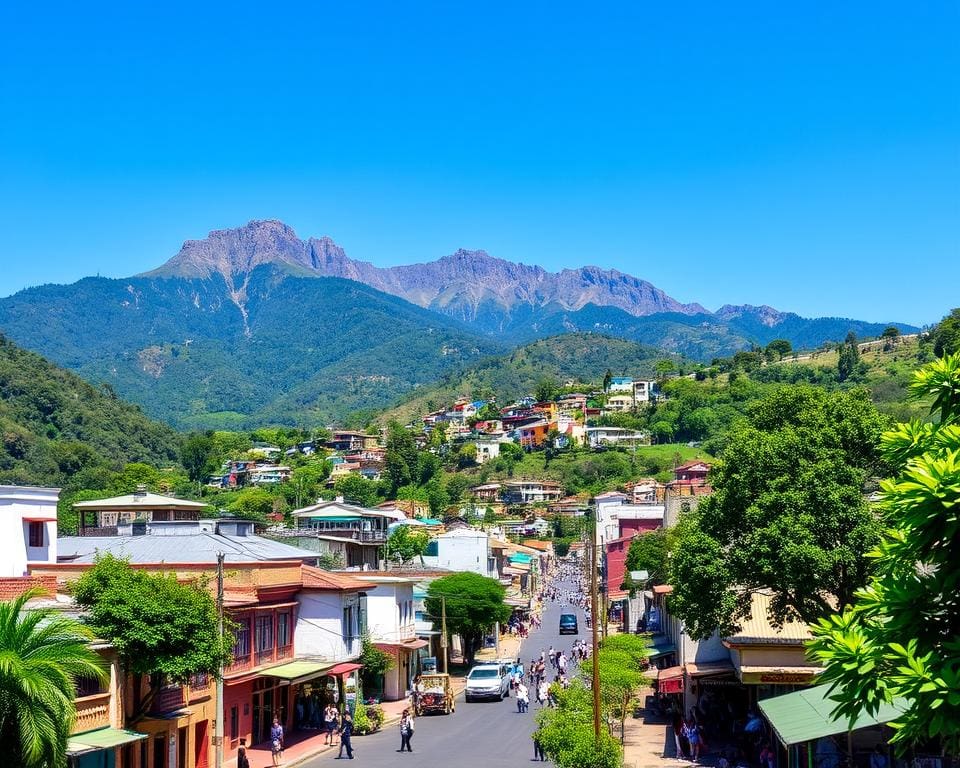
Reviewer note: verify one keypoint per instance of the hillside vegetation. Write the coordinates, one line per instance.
(54, 424)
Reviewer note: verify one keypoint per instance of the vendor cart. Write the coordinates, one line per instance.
(436, 694)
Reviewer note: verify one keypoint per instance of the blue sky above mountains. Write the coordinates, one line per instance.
(728, 154)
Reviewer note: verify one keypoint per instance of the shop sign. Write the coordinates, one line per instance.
(778, 678)
(670, 685)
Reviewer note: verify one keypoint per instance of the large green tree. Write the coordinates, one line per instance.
(474, 603)
(400, 458)
(404, 544)
(788, 513)
(946, 335)
(42, 656)
(159, 627)
(900, 638)
(649, 552)
(848, 357)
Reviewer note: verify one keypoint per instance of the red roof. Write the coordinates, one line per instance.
(317, 578)
(543, 546)
(690, 464)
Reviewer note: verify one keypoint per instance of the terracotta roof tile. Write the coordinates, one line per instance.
(317, 578)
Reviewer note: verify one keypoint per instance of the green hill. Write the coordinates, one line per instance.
(198, 353)
(569, 360)
(53, 424)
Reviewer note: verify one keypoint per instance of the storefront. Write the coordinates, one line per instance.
(398, 680)
(104, 748)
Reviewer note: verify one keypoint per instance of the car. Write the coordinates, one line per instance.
(568, 624)
(487, 681)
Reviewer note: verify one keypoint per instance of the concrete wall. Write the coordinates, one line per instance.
(320, 631)
(17, 504)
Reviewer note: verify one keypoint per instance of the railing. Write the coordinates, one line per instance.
(104, 530)
(240, 664)
(168, 699)
(92, 712)
(284, 652)
(265, 656)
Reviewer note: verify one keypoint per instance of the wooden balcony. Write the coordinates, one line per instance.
(92, 712)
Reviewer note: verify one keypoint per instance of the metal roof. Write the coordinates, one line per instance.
(757, 629)
(806, 715)
(151, 500)
(192, 548)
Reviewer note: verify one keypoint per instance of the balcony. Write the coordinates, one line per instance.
(92, 712)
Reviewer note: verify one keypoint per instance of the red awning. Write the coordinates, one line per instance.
(344, 669)
(410, 645)
(670, 680)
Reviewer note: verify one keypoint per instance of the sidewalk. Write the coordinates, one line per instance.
(304, 745)
(649, 743)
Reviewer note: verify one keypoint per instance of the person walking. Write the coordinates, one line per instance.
(242, 760)
(542, 691)
(329, 724)
(523, 698)
(538, 749)
(346, 732)
(406, 731)
(276, 742)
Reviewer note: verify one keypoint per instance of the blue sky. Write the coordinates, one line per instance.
(728, 152)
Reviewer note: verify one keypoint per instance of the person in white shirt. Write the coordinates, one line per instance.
(523, 698)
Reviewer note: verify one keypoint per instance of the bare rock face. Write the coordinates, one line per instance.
(458, 284)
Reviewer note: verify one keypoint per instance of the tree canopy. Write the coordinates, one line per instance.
(474, 603)
(788, 513)
(404, 544)
(900, 638)
(946, 335)
(159, 627)
(43, 655)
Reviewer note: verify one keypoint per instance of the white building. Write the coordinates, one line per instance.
(616, 518)
(488, 448)
(612, 436)
(392, 624)
(462, 549)
(28, 528)
(329, 616)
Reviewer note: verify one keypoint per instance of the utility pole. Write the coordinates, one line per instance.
(443, 632)
(593, 626)
(496, 638)
(218, 728)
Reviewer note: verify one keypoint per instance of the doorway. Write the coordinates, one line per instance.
(200, 744)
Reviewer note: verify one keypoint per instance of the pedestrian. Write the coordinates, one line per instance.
(542, 692)
(695, 739)
(879, 758)
(329, 724)
(242, 760)
(276, 742)
(406, 731)
(538, 749)
(346, 731)
(523, 698)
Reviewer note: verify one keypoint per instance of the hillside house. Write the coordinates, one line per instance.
(598, 437)
(531, 491)
(28, 528)
(534, 434)
(105, 517)
(346, 441)
(692, 472)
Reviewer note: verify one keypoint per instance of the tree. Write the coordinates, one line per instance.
(890, 332)
(648, 552)
(946, 335)
(158, 626)
(196, 455)
(400, 457)
(467, 455)
(664, 367)
(375, 662)
(404, 544)
(358, 490)
(474, 604)
(566, 732)
(788, 513)
(43, 655)
(621, 661)
(900, 637)
(607, 378)
(546, 389)
(848, 357)
(253, 503)
(779, 349)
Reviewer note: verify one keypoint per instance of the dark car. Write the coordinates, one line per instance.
(568, 624)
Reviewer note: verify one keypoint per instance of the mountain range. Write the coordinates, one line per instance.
(254, 325)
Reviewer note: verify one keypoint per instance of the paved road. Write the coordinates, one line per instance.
(478, 735)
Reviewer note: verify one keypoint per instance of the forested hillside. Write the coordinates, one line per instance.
(54, 424)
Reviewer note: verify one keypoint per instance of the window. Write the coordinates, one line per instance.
(36, 534)
(89, 686)
(283, 629)
(234, 723)
(264, 632)
(241, 647)
(348, 624)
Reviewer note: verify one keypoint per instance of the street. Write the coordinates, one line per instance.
(480, 734)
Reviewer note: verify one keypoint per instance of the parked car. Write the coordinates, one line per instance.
(568, 624)
(487, 681)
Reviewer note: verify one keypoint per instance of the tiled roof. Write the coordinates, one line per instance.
(544, 546)
(151, 500)
(317, 578)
